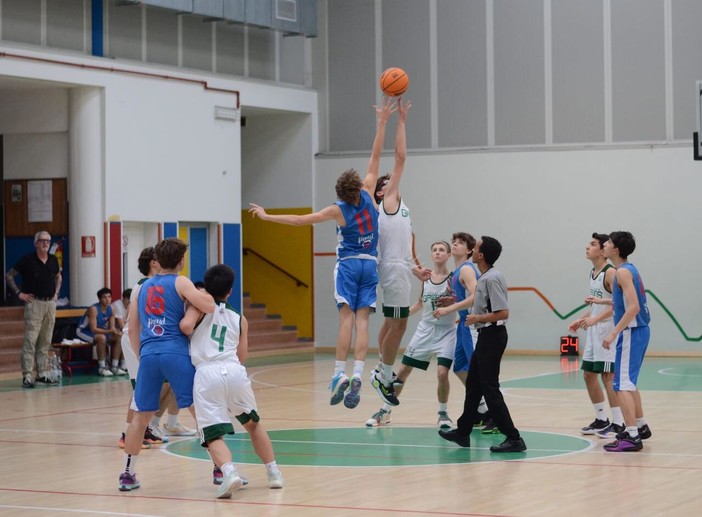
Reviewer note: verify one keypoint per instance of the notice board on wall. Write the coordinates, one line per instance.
(45, 209)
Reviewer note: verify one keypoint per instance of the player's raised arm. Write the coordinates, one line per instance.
(391, 200)
(384, 112)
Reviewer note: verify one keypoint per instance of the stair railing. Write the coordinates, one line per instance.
(299, 282)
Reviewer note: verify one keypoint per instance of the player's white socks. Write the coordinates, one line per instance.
(358, 367)
(600, 411)
(482, 407)
(443, 407)
(633, 431)
(172, 420)
(228, 469)
(387, 407)
(640, 422)
(387, 372)
(155, 421)
(272, 466)
(129, 463)
(617, 416)
(339, 367)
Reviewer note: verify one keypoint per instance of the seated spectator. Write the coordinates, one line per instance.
(120, 308)
(98, 327)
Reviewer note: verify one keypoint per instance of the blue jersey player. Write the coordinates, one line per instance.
(154, 330)
(630, 336)
(355, 273)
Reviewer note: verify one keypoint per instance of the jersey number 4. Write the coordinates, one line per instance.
(219, 338)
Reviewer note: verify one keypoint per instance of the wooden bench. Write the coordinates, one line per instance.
(65, 350)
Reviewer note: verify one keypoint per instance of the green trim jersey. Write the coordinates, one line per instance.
(395, 234)
(598, 290)
(432, 292)
(216, 338)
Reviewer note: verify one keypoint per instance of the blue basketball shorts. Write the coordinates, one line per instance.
(464, 347)
(355, 283)
(631, 349)
(177, 369)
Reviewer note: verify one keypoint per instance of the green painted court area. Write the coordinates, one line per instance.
(382, 447)
(657, 374)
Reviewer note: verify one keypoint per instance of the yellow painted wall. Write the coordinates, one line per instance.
(289, 247)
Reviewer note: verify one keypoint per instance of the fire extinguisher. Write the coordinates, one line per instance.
(57, 250)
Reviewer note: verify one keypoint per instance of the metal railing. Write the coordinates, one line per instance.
(299, 282)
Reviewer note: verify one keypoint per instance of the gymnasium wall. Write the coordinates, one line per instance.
(536, 122)
(543, 206)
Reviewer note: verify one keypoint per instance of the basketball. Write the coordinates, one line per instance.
(394, 82)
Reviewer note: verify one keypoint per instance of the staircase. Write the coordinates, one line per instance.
(268, 335)
(11, 338)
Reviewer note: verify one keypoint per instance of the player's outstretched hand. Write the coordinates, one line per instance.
(386, 109)
(404, 108)
(256, 210)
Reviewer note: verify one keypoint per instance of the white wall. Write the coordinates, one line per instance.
(543, 206)
(164, 156)
(35, 155)
(277, 160)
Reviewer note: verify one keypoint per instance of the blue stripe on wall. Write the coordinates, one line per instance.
(97, 29)
(170, 230)
(198, 253)
(231, 255)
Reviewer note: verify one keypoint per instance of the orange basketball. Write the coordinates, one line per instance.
(394, 82)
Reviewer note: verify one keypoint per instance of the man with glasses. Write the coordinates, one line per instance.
(41, 283)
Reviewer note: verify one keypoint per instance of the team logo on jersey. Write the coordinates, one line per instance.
(157, 330)
(405, 212)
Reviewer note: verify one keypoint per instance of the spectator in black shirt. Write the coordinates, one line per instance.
(41, 283)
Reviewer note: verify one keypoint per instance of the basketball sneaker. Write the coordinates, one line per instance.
(178, 429)
(645, 432)
(218, 477)
(275, 479)
(230, 484)
(151, 438)
(595, 425)
(339, 384)
(382, 417)
(353, 395)
(120, 443)
(379, 368)
(444, 422)
(116, 370)
(104, 372)
(611, 431)
(490, 428)
(156, 431)
(387, 393)
(128, 482)
(624, 443)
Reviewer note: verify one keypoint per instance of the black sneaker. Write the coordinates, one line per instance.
(596, 425)
(510, 445)
(387, 393)
(455, 437)
(46, 380)
(490, 428)
(611, 431)
(645, 432)
(27, 382)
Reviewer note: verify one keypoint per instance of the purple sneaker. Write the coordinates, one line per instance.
(128, 482)
(353, 396)
(624, 443)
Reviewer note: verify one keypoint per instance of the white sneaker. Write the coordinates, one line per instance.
(178, 430)
(275, 479)
(382, 417)
(444, 422)
(116, 370)
(104, 372)
(230, 484)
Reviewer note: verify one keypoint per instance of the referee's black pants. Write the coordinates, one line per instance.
(483, 381)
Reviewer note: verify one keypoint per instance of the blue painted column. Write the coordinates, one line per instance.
(97, 28)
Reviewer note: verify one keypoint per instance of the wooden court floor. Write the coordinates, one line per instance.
(60, 455)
